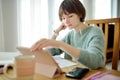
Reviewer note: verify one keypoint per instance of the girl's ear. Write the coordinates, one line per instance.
(81, 19)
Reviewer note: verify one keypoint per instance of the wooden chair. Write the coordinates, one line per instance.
(104, 24)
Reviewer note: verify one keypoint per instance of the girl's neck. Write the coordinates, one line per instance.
(80, 27)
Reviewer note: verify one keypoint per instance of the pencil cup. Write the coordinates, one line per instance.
(23, 68)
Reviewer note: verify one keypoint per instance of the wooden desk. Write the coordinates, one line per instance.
(62, 77)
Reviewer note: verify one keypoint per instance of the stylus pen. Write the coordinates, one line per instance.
(95, 74)
(100, 75)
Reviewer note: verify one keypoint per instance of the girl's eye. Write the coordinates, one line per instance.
(63, 18)
(70, 16)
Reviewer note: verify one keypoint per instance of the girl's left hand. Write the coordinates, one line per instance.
(45, 43)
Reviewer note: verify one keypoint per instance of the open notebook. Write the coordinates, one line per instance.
(45, 63)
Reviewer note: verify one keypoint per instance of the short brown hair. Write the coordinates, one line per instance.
(72, 6)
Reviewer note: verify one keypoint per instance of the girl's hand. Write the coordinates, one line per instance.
(61, 27)
(45, 43)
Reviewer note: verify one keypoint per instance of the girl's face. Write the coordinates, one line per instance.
(72, 20)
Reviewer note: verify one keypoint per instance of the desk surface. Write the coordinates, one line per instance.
(62, 77)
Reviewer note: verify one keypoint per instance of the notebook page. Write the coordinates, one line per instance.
(63, 62)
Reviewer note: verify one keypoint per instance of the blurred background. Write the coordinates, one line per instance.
(23, 22)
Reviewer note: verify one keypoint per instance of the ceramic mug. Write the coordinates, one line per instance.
(23, 68)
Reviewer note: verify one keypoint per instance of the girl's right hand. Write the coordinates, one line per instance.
(61, 27)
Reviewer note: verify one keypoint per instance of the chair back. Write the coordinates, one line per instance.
(111, 28)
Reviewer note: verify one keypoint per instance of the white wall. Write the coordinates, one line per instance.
(119, 8)
(9, 13)
(115, 9)
(89, 6)
(1, 29)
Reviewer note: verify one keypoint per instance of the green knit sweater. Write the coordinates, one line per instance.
(90, 42)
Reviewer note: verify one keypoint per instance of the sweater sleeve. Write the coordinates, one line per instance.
(55, 51)
(93, 55)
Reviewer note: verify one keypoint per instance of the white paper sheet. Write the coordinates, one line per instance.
(7, 57)
(63, 62)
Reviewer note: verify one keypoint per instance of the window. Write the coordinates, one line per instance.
(102, 9)
(33, 21)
